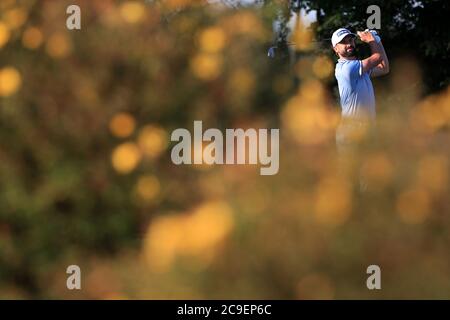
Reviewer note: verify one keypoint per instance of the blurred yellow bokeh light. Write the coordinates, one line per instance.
(58, 45)
(132, 11)
(212, 40)
(206, 66)
(32, 38)
(122, 125)
(152, 140)
(4, 34)
(413, 205)
(148, 187)
(10, 81)
(195, 234)
(126, 157)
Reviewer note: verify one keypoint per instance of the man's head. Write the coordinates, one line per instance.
(343, 42)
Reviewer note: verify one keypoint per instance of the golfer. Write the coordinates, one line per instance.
(357, 97)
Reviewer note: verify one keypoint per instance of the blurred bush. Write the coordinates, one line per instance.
(86, 176)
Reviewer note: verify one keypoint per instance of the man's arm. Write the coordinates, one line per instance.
(376, 57)
(382, 68)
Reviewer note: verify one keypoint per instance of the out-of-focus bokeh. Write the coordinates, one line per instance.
(86, 176)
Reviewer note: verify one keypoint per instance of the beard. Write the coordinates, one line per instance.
(348, 53)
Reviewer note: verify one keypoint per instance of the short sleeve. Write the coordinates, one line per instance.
(352, 69)
(369, 72)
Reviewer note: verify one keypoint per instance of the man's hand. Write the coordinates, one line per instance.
(366, 36)
(383, 67)
(375, 59)
(375, 35)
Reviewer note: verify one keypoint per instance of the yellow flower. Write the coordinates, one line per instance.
(148, 188)
(10, 81)
(4, 34)
(152, 140)
(132, 11)
(242, 81)
(32, 38)
(212, 39)
(433, 172)
(15, 17)
(206, 66)
(413, 205)
(192, 235)
(207, 226)
(378, 170)
(122, 125)
(333, 201)
(126, 157)
(322, 67)
(307, 116)
(58, 45)
(302, 37)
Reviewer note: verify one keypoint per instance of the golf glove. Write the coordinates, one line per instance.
(375, 35)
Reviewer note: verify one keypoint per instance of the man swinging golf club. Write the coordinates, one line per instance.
(357, 97)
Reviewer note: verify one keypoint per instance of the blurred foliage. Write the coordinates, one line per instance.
(86, 176)
(408, 27)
